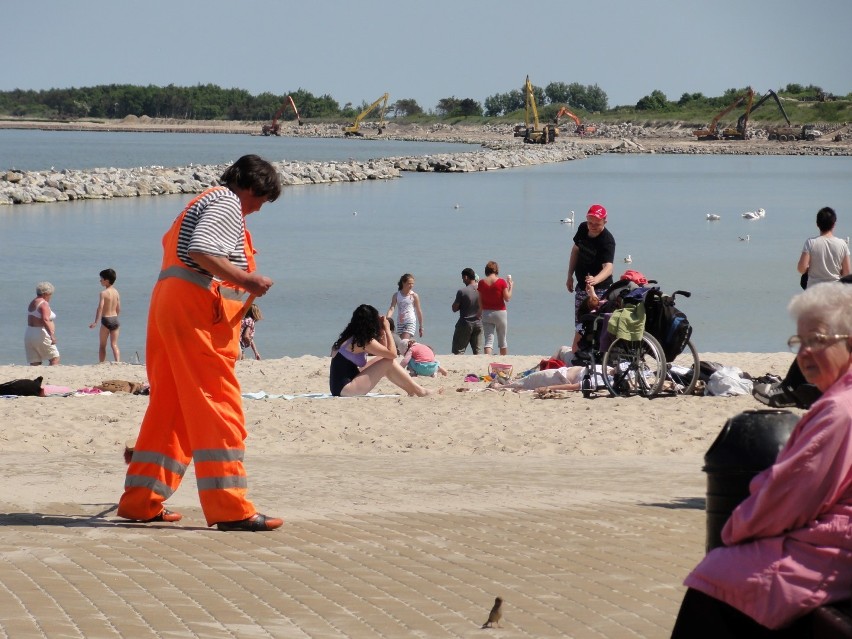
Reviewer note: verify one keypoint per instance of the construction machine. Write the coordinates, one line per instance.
(712, 132)
(353, 129)
(274, 128)
(582, 129)
(531, 131)
(739, 133)
(789, 133)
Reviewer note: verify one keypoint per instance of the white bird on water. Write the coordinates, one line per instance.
(628, 260)
(457, 205)
(713, 217)
(754, 215)
(745, 239)
(568, 220)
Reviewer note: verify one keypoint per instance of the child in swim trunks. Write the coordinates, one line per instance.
(109, 306)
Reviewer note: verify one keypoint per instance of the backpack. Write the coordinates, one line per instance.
(666, 323)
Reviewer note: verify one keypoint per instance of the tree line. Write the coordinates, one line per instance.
(211, 102)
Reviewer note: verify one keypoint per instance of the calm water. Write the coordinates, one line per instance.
(40, 150)
(325, 260)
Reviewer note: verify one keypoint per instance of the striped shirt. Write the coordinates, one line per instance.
(215, 226)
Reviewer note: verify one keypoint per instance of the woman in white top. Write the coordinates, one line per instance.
(40, 337)
(824, 258)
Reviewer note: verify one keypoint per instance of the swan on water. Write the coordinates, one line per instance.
(568, 220)
(628, 260)
(713, 217)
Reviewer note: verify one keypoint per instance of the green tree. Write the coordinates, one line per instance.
(406, 107)
(656, 101)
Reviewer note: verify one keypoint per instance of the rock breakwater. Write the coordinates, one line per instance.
(27, 187)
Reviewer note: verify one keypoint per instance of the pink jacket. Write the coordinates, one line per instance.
(789, 544)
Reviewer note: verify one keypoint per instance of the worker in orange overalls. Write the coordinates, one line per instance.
(195, 410)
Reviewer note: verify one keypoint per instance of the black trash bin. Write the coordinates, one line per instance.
(748, 443)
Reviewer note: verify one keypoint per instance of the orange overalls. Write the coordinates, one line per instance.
(195, 410)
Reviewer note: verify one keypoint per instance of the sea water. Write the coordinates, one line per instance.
(331, 247)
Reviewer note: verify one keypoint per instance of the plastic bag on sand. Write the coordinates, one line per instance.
(727, 381)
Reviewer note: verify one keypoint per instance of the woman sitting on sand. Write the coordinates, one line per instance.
(367, 333)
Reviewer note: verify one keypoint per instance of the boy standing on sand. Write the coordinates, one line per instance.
(109, 306)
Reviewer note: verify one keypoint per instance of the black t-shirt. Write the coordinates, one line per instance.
(593, 253)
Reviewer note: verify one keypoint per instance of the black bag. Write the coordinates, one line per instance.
(665, 322)
(28, 387)
(803, 281)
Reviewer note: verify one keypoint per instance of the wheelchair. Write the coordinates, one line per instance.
(637, 364)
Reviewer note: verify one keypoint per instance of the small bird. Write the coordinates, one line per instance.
(628, 260)
(745, 239)
(354, 212)
(495, 615)
(457, 205)
(713, 217)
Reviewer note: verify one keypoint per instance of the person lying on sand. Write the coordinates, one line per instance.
(567, 378)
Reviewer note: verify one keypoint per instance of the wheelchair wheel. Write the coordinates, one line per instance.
(635, 367)
(687, 360)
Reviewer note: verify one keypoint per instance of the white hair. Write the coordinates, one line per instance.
(830, 302)
(44, 288)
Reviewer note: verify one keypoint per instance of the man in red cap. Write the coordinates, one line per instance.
(591, 259)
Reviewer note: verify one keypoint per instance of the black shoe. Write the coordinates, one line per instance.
(773, 395)
(255, 523)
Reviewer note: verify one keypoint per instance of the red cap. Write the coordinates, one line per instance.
(596, 210)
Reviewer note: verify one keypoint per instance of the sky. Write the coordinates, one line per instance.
(429, 50)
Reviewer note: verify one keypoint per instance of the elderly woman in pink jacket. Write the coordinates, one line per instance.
(788, 546)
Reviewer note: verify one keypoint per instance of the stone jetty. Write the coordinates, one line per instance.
(27, 187)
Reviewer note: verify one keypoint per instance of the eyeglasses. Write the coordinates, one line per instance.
(813, 343)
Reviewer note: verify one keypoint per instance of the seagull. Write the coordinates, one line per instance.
(568, 220)
(713, 217)
(745, 239)
(628, 260)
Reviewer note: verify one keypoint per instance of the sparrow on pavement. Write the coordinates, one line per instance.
(495, 615)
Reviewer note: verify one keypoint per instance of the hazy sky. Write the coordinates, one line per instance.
(427, 50)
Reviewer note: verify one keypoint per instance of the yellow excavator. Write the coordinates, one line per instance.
(534, 134)
(739, 132)
(582, 129)
(274, 128)
(353, 128)
(712, 132)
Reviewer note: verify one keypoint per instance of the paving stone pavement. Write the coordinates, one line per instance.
(577, 547)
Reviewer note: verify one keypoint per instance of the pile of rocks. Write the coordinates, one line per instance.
(19, 187)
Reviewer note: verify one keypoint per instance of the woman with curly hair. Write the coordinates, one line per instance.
(368, 333)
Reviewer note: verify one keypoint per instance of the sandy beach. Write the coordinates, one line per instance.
(404, 516)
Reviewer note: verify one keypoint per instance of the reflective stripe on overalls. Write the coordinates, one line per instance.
(195, 409)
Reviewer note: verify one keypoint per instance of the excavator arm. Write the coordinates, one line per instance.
(712, 132)
(565, 111)
(582, 129)
(353, 129)
(531, 131)
(274, 128)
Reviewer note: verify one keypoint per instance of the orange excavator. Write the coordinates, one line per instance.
(274, 128)
(712, 132)
(582, 129)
